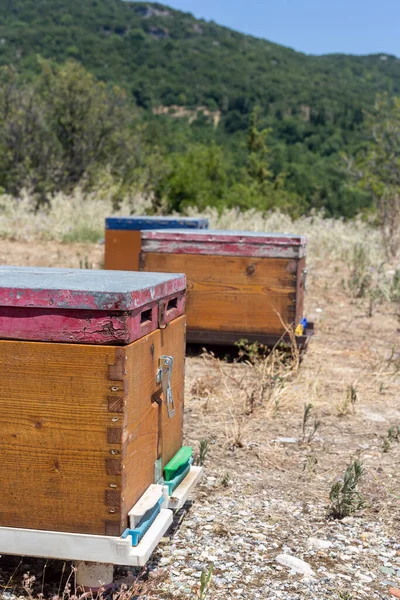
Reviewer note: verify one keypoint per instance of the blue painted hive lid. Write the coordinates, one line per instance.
(142, 223)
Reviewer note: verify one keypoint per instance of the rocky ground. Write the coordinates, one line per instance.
(260, 516)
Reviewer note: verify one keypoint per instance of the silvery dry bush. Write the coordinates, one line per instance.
(75, 217)
(79, 216)
(327, 238)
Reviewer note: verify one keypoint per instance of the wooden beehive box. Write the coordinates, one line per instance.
(239, 284)
(123, 240)
(83, 411)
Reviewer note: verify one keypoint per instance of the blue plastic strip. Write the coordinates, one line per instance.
(144, 525)
(141, 223)
(180, 475)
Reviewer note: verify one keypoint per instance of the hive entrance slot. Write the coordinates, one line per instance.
(172, 303)
(146, 316)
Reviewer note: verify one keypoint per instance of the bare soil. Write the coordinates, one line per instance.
(257, 451)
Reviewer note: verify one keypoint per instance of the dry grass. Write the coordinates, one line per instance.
(77, 217)
(332, 239)
(57, 580)
(80, 217)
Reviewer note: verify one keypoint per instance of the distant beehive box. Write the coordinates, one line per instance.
(123, 240)
(239, 284)
(86, 424)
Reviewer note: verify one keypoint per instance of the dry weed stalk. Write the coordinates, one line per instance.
(349, 403)
(257, 380)
(234, 431)
(309, 432)
(125, 589)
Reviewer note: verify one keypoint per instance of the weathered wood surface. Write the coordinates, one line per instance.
(92, 307)
(122, 249)
(84, 289)
(301, 277)
(150, 434)
(234, 293)
(224, 243)
(53, 447)
(145, 222)
(87, 327)
(81, 429)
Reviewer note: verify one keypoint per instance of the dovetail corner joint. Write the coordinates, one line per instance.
(117, 371)
(113, 466)
(115, 404)
(114, 435)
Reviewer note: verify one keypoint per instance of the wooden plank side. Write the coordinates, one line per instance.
(224, 243)
(300, 289)
(149, 433)
(122, 249)
(173, 343)
(59, 459)
(141, 420)
(233, 293)
(77, 326)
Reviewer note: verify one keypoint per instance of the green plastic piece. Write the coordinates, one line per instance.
(180, 459)
(179, 477)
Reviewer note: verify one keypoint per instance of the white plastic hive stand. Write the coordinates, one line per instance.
(104, 550)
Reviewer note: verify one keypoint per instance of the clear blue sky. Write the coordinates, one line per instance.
(311, 26)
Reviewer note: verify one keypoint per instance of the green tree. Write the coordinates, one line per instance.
(198, 177)
(377, 167)
(28, 149)
(89, 120)
(257, 186)
(258, 151)
(65, 129)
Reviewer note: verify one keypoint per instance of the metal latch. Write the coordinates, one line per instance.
(164, 377)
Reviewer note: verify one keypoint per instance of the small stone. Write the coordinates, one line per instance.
(387, 571)
(295, 564)
(364, 578)
(345, 577)
(317, 544)
(156, 573)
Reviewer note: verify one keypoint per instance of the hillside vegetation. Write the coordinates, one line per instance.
(171, 64)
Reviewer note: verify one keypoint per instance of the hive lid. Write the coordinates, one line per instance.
(227, 243)
(141, 223)
(42, 287)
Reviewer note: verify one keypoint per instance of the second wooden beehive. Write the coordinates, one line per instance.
(239, 284)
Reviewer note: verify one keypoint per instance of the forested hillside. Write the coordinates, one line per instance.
(171, 65)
